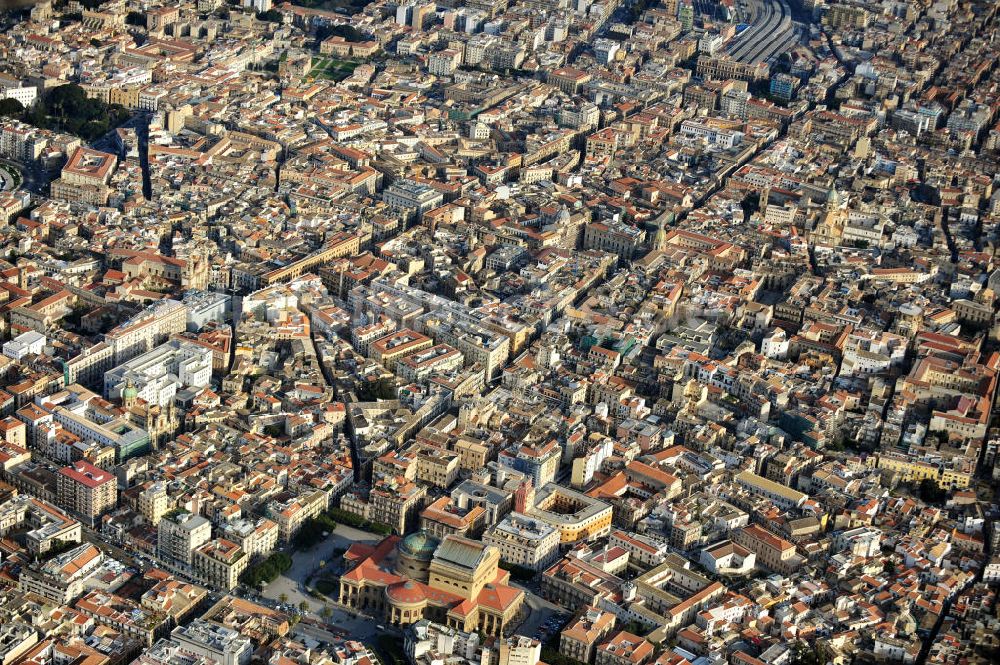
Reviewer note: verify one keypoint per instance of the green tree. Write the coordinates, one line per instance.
(11, 108)
(67, 108)
(270, 16)
(519, 573)
(283, 597)
(304, 606)
(930, 492)
(268, 570)
(383, 388)
(348, 32)
(808, 654)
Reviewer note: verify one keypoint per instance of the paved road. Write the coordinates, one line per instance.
(539, 611)
(340, 625)
(8, 176)
(106, 142)
(35, 178)
(307, 562)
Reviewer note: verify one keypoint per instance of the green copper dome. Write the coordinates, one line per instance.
(420, 545)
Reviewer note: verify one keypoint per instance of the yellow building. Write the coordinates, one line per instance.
(771, 551)
(154, 502)
(127, 96)
(473, 453)
(455, 581)
(847, 16)
(391, 348)
(575, 515)
(436, 466)
(913, 471)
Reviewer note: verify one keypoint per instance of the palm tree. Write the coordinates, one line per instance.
(304, 606)
(283, 597)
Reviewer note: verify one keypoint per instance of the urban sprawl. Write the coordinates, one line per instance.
(499, 332)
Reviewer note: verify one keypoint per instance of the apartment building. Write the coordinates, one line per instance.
(144, 331)
(219, 563)
(395, 502)
(436, 466)
(179, 534)
(538, 462)
(525, 541)
(83, 414)
(154, 502)
(770, 551)
(421, 365)
(86, 490)
(782, 495)
(443, 517)
(390, 349)
(568, 79)
(417, 197)
(619, 239)
(214, 642)
(85, 177)
(257, 537)
(624, 648)
(580, 638)
(576, 516)
(291, 513)
(61, 578)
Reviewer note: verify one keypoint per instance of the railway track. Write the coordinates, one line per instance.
(773, 34)
(763, 17)
(773, 40)
(783, 46)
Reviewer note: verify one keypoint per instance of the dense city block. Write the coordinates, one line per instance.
(499, 332)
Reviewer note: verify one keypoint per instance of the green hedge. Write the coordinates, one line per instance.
(328, 586)
(312, 531)
(267, 570)
(519, 573)
(552, 656)
(350, 519)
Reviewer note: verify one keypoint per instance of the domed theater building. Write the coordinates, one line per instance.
(455, 581)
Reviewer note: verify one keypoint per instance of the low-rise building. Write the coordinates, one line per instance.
(60, 579)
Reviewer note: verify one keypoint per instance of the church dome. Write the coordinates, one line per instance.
(420, 545)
